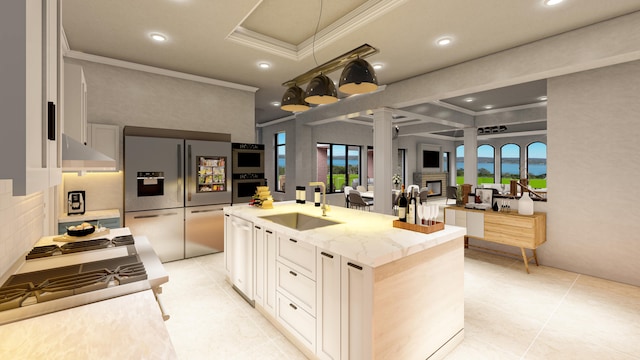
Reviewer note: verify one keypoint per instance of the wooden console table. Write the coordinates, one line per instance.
(507, 228)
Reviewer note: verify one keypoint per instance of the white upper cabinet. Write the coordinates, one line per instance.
(29, 74)
(75, 102)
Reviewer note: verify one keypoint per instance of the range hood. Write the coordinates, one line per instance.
(78, 157)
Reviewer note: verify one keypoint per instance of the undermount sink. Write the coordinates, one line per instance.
(299, 221)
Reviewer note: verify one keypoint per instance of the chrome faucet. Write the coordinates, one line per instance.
(324, 196)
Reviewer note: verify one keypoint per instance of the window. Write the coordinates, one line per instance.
(460, 165)
(338, 166)
(537, 165)
(281, 161)
(400, 170)
(445, 161)
(486, 164)
(509, 163)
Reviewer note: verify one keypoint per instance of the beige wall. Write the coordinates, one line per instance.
(593, 161)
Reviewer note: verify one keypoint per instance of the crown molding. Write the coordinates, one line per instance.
(71, 54)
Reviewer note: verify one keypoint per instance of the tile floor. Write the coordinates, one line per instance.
(548, 314)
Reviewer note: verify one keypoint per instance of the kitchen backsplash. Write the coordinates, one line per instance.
(103, 190)
(21, 219)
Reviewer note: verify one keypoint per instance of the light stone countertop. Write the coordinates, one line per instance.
(89, 215)
(126, 327)
(363, 236)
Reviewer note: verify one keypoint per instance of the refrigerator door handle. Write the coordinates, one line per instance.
(180, 190)
(205, 211)
(189, 180)
(153, 216)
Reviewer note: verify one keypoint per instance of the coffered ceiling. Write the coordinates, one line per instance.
(227, 39)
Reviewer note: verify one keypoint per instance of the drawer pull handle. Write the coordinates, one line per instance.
(269, 231)
(293, 306)
(292, 273)
(327, 255)
(293, 240)
(354, 265)
(258, 227)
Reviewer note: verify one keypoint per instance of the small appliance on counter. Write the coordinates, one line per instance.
(76, 202)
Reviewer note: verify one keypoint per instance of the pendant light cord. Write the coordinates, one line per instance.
(313, 45)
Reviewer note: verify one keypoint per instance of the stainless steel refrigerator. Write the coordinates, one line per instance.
(175, 190)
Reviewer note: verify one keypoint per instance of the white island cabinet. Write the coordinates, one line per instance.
(356, 289)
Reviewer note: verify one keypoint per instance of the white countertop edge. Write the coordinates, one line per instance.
(89, 215)
(365, 237)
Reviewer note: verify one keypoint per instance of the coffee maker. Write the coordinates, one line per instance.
(76, 204)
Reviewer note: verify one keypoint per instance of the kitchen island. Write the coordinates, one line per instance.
(349, 285)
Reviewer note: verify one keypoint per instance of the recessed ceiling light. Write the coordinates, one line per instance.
(264, 65)
(275, 103)
(488, 107)
(377, 66)
(542, 98)
(552, 2)
(444, 41)
(469, 99)
(158, 37)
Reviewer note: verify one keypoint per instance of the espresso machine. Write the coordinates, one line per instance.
(75, 202)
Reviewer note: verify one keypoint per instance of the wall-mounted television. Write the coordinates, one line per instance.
(430, 159)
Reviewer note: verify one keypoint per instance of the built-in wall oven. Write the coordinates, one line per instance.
(247, 158)
(244, 186)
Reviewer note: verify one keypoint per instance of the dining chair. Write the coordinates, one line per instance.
(361, 188)
(424, 195)
(452, 193)
(394, 202)
(356, 201)
(346, 195)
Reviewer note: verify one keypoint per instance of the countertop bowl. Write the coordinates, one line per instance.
(81, 232)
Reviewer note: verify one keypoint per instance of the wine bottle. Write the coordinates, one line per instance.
(411, 212)
(402, 206)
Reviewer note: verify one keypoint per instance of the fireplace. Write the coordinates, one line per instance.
(434, 187)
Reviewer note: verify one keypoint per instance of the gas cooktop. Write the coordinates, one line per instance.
(78, 246)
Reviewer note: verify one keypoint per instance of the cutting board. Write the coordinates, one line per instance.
(96, 234)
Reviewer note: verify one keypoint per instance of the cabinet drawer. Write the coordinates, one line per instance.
(297, 321)
(298, 255)
(297, 286)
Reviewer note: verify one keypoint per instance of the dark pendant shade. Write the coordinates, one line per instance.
(358, 77)
(321, 90)
(293, 100)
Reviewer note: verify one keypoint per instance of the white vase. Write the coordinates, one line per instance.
(525, 204)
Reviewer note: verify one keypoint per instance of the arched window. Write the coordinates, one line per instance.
(486, 164)
(509, 163)
(460, 165)
(537, 165)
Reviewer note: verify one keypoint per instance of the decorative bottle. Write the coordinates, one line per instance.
(411, 210)
(525, 204)
(402, 205)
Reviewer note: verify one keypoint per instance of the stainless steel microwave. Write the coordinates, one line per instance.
(247, 158)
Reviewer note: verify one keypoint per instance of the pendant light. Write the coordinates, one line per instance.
(293, 100)
(358, 77)
(321, 90)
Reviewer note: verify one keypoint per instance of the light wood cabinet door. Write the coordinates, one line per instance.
(328, 305)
